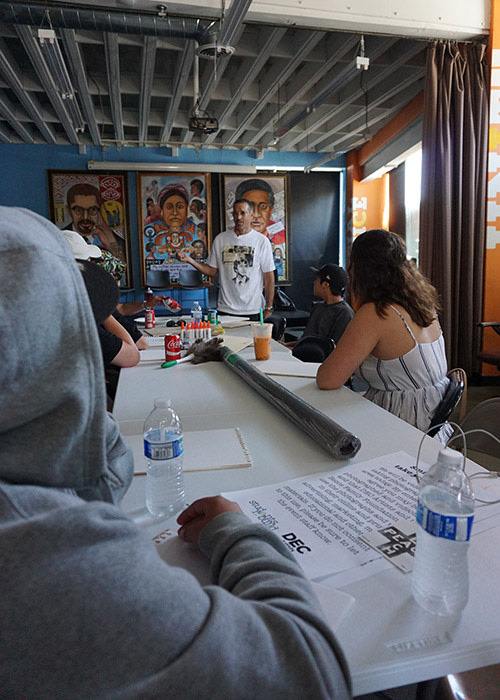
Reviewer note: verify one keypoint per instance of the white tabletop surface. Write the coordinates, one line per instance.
(388, 639)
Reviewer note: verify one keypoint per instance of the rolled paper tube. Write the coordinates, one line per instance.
(337, 441)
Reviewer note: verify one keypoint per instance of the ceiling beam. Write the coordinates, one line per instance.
(247, 73)
(4, 135)
(229, 33)
(375, 47)
(147, 74)
(32, 48)
(78, 73)
(359, 126)
(308, 76)
(112, 55)
(182, 70)
(7, 112)
(386, 94)
(11, 74)
(279, 73)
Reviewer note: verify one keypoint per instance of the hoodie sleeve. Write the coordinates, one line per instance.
(123, 624)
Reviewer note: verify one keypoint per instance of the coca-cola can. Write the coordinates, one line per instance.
(172, 347)
(149, 318)
(172, 305)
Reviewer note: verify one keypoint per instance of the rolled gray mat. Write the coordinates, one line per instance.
(337, 441)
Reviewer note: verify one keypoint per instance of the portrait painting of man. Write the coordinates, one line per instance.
(268, 195)
(95, 207)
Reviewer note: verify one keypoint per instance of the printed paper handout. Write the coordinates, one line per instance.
(320, 517)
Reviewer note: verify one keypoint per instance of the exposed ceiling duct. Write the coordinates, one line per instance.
(120, 22)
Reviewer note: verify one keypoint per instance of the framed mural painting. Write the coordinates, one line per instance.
(269, 194)
(96, 207)
(174, 216)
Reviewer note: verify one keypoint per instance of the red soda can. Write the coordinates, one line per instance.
(172, 305)
(150, 318)
(172, 347)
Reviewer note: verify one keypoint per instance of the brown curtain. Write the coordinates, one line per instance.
(454, 178)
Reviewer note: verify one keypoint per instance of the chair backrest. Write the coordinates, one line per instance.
(279, 326)
(483, 416)
(492, 356)
(158, 279)
(450, 400)
(190, 277)
(313, 348)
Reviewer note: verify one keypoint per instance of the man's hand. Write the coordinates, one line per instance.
(266, 313)
(200, 513)
(184, 257)
(109, 239)
(142, 343)
(159, 299)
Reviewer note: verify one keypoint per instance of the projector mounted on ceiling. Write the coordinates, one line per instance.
(203, 125)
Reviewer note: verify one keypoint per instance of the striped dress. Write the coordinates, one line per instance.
(410, 386)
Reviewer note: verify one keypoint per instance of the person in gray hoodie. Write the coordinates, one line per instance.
(88, 609)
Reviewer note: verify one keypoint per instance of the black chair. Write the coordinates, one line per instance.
(450, 400)
(190, 278)
(279, 325)
(158, 279)
(491, 357)
(313, 348)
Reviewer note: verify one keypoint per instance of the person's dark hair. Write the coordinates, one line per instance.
(83, 189)
(246, 259)
(242, 200)
(148, 200)
(150, 246)
(198, 242)
(379, 272)
(171, 193)
(255, 184)
(198, 204)
(198, 184)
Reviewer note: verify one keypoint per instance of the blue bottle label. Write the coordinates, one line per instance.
(450, 527)
(163, 450)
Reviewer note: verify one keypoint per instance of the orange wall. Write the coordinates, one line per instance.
(492, 262)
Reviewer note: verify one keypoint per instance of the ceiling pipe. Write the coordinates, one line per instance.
(118, 21)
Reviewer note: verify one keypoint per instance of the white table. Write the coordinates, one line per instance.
(388, 639)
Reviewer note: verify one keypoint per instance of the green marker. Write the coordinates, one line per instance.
(171, 363)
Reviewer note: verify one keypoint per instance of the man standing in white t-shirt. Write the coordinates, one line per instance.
(243, 258)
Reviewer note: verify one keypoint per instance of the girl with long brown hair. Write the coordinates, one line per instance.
(394, 342)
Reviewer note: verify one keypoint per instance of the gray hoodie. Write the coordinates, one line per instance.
(87, 608)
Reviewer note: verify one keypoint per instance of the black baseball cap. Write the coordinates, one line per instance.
(335, 275)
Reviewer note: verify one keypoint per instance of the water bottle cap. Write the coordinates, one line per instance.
(161, 403)
(449, 456)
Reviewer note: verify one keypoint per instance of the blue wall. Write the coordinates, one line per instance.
(24, 181)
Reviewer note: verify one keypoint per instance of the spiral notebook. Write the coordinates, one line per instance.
(203, 449)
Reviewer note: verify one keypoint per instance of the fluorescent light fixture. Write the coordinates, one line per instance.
(174, 167)
(297, 168)
(57, 67)
(319, 162)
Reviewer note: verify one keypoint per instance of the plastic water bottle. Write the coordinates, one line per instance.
(196, 312)
(445, 512)
(163, 452)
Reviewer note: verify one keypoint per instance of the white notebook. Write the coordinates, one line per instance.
(203, 449)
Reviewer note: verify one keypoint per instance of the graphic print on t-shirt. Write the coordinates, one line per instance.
(240, 257)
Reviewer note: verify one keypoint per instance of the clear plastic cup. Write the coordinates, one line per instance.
(262, 333)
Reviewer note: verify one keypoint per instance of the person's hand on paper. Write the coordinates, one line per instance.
(200, 513)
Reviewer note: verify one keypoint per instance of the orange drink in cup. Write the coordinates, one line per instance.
(262, 340)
